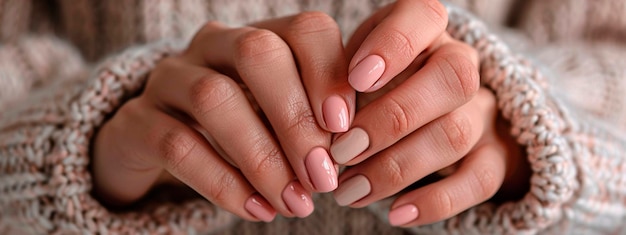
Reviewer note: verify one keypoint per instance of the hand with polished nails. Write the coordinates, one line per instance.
(420, 111)
(244, 116)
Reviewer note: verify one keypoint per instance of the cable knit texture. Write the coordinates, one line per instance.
(66, 66)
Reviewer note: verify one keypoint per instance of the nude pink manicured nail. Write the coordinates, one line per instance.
(403, 215)
(335, 113)
(352, 190)
(321, 170)
(349, 145)
(260, 208)
(298, 199)
(367, 72)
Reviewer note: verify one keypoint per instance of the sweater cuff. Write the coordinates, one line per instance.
(537, 124)
(44, 156)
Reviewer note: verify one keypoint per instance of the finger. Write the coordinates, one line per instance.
(188, 157)
(266, 64)
(218, 104)
(479, 177)
(315, 39)
(448, 80)
(164, 141)
(391, 39)
(432, 147)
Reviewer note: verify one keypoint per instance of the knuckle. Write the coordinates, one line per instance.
(307, 23)
(208, 94)
(396, 175)
(205, 30)
(486, 181)
(443, 203)
(263, 159)
(300, 120)
(174, 147)
(463, 77)
(400, 116)
(400, 40)
(457, 130)
(161, 73)
(271, 160)
(131, 109)
(165, 64)
(221, 189)
(128, 114)
(258, 46)
(210, 26)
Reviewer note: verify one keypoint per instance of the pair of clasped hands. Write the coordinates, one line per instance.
(258, 118)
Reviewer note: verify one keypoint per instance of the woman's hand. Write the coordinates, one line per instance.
(431, 116)
(195, 122)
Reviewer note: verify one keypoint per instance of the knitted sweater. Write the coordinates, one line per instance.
(66, 66)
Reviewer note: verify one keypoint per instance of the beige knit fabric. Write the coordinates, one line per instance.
(66, 66)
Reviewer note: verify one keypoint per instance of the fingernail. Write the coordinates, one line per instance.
(349, 145)
(403, 215)
(335, 113)
(352, 190)
(298, 199)
(260, 208)
(321, 170)
(367, 72)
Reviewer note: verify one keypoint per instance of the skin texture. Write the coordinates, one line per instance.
(237, 114)
(431, 116)
(198, 122)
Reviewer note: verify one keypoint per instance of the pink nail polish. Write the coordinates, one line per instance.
(260, 208)
(367, 72)
(298, 199)
(403, 215)
(321, 170)
(352, 190)
(349, 145)
(335, 113)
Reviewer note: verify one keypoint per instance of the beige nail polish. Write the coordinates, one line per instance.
(349, 145)
(352, 190)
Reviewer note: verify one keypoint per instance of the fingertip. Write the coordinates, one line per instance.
(298, 200)
(350, 145)
(366, 73)
(336, 114)
(403, 215)
(321, 170)
(260, 208)
(352, 190)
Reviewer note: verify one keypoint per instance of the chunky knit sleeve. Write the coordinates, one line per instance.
(44, 155)
(588, 79)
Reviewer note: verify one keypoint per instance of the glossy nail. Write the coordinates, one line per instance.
(352, 190)
(349, 145)
(403, 215)
(321, 170)
(298, 199)
(335, 113)
(260, 208)
(367, 72)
